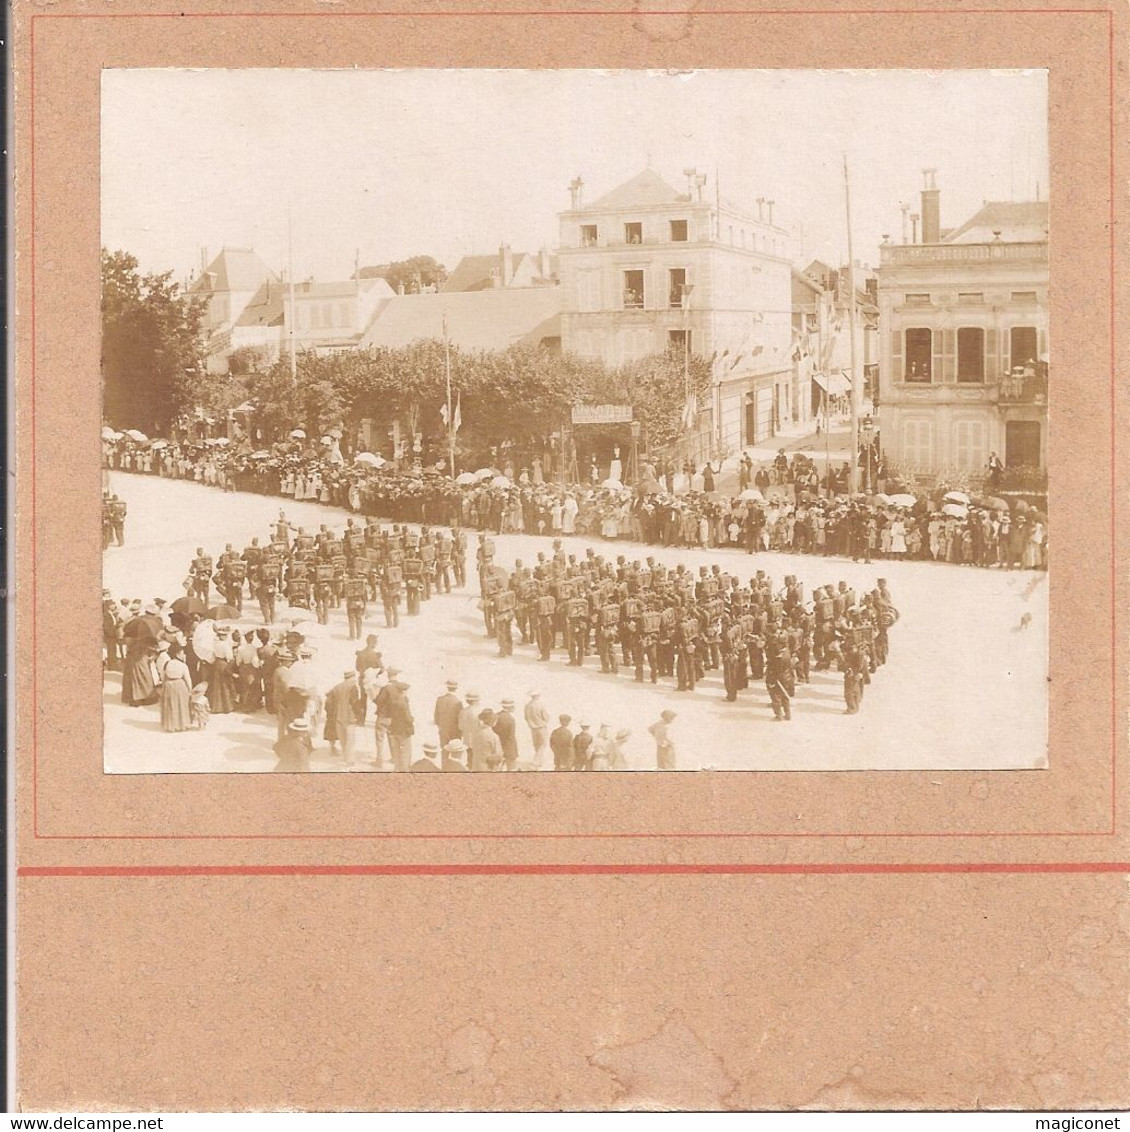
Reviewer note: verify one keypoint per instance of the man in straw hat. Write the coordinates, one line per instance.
(664, 742)
(429, 760)
(293, 749)
(537, 719)
(446, 715)
(455, 755)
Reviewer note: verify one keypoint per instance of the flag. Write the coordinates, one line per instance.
(458, 413)
(690, 411)
(456, 420)
(443, 413)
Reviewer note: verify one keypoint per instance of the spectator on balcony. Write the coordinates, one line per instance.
(996, 471)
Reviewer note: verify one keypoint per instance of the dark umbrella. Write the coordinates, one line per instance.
(188, 604)
(222, 613)
(142, 629)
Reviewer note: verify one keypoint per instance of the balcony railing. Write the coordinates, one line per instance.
(1026, 388)
(938, 253)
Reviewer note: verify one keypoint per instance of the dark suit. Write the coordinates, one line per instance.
(447, 711)
(504, 729)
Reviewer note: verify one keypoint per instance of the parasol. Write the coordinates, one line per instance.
(484, 473)
(751, 494)
(996, 504)
(881, 499)
(136, 434)
(903, 500)
(246, 407)
(327, 439)
(142, 629)
(221, 441)
(1021, 506)
(956, 497)
(262, 454)
(500, 481)
(311, 630)
(465, 478)
(955, 510)
(188, 604)
(204, 641)
(222, 613)
(109, 434)
(370, 458)
(298, 434)
(159, 444)
(614, 484)
(334, 434)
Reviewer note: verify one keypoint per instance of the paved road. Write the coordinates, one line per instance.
(964, 688)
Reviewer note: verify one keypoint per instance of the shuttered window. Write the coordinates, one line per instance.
(918, 443)
(970, 354)
(969, 447)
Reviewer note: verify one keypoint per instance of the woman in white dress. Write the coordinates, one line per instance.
(898, 537)
(569, 515)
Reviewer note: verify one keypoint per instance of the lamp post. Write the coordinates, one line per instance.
(867, 435)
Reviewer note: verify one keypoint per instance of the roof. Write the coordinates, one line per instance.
(476, 320)
(1017, 222)
(234, 269)
(474, 273)
(643, 190)
(345, 289)
(265, 307)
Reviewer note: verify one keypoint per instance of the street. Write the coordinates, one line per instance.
(965, 687)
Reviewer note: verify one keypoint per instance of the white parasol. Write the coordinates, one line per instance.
(956, 497)
(298, 434)
(465, 478)
(955, 510)
(500, 481)
(903, 500)
(136, 434)
(751, 494)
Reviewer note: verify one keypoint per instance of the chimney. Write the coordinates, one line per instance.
(544, 266)
(914, 227)
(576, 192)
(769, 205)
(400, 288)
(760, 208)
(203, 260)
(506, 264)
(931, 209)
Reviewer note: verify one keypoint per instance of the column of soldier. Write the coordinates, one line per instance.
(320, 572)
(671, 624)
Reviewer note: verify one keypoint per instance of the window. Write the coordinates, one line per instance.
(918, 300)
(678, 231)
(918, 444)
(919, 355)
(1022, 444)
(1028, 297)
(970, 354)
(633, 233)
(970, 297)
(633, 290)
(676, 284)
(970, 451)
(1022, 347)
(588, 235)
(588, 290)
(343, 318)
(680, 341)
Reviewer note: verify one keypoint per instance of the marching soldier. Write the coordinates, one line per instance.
(665, 643)
(413, 584)
(733, 649)
(780, 681)
(107, 524)
(252, 558)
(323, 591)
(298, 586)
(443, 565)
(503, 621)
(281, 530)
(649, 644)
(267, 590)
(391, 583)
(459, 556)
(355, 605)
(546, 606)
(578, 630)
(201, 571)
(686, 635)
(606, 637)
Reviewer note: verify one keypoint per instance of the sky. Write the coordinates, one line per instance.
(386, 164)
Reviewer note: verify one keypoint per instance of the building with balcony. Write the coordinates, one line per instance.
(646, 268)
(963, 319)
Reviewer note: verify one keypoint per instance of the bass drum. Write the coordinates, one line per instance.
(890, 616)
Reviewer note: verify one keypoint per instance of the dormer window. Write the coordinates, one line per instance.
(633, 233)
(588, 235)
(678, 231)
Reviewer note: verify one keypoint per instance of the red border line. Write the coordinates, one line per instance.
(460, 13)
(836, 868)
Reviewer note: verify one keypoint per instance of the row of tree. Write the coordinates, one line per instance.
(153, 374)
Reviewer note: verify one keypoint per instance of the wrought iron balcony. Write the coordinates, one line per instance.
(1027, 388)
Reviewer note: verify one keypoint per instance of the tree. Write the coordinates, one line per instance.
(152, 346)
(415, 273)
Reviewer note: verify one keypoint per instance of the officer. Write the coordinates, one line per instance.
(118, 519)
(780, 681)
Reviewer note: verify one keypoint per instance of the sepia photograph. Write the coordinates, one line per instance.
(575, 420)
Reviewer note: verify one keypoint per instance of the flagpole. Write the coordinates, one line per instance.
(853, 476)
(290, 289)
(450, 417)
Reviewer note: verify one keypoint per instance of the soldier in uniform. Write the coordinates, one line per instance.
(323, 591)
(252, 558)
(606, 637)
(267, 590)
(732, 647)
(578, 630)
(546, 607)
(281, 530)
(686, 636)
(443, 565)
(201, 571)
(459, 556)
(484, 559)
(413, 583)
(355, 605)
(117, 510)
(107, 523)
(504, 621)
(298, 586)
(665, 643)
(780, 681)
(391, 581)
(649, 643)
(491, 587)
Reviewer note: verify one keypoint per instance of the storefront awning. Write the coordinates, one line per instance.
(834, 384)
